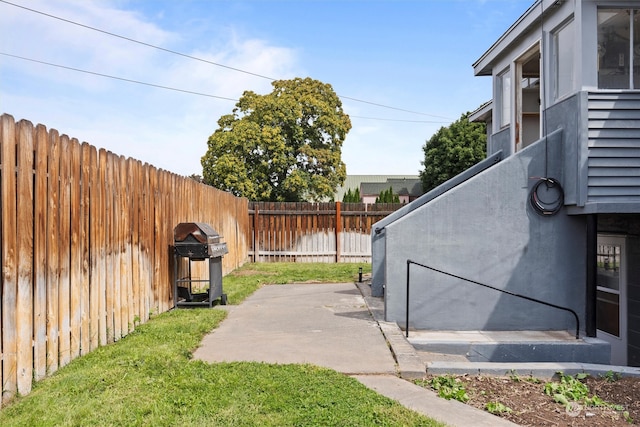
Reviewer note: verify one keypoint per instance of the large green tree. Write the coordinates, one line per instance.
(452, 150)
(284, 146)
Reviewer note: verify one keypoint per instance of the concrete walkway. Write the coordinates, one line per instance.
(324, 325)
(336, 326)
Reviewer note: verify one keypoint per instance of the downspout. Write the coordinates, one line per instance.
(592, 271)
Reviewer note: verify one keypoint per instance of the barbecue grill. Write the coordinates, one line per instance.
(197, 241)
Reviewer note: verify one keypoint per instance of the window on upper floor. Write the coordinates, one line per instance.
(618, 48)
(503, 83)
(563, 47)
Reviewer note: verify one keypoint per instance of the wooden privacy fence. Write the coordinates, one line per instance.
(85, 247)
(314, 232)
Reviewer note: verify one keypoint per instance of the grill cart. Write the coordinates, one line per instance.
(197, 241)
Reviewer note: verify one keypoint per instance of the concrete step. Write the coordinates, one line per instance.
(513, 346)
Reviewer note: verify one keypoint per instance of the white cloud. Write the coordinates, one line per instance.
(165, 128)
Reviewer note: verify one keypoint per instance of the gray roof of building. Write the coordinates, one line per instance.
(353, 181)
(402, 187)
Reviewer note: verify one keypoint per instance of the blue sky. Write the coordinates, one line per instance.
(414, 56)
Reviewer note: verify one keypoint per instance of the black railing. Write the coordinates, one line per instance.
(409, 262)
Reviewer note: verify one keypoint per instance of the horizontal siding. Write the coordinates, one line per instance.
(605, 171)
(614, 163)
(613, 142)
(606, 191)
(599, 152)
(597, 133)
(597, 114)
(618, 181)
(613, 147)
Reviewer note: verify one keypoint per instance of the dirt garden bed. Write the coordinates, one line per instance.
(523, 401)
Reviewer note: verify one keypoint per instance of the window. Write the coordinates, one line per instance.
(504, 97)
(618, 49)
(563, 46)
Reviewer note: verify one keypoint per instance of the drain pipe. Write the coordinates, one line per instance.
(406, 326)
(592, 272)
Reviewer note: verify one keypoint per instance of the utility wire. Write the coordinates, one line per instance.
(118, 78)
(180, 90)
(195, 58)
(198, 59)
(397, 120)
(390, 108)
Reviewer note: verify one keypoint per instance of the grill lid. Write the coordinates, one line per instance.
(198, 240)
(195, 232)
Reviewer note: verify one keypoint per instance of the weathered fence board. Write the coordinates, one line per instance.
(52, 252)
(9, 262)
(40, 255)
(313, 232)
(86, 246)
(101, 253)
(85, 179)
(95, 244)
(24, 219)
(75, 270)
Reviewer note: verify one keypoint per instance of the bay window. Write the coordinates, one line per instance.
(618, 48)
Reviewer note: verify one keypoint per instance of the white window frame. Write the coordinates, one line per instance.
(559, 60)
(632, 59)
(504, 97)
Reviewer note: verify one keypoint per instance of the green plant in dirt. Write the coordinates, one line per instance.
(567, 389)
(570, 389)
(597, 401)
(513, 376)
(627, 417)
(611, 376)
(449, 387)
(533, 380)
(497, 408)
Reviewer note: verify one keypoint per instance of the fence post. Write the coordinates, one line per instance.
(256, 233)
(338, 229)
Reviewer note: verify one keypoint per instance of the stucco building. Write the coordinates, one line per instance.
(553, 214)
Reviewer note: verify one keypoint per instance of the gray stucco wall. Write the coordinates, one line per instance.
(378, 231)
(485, 230)
(500, 141)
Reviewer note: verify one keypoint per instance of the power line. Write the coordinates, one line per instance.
(391, 108)
(398, 120)
(198, 59)
(79, 70)
(195, 58)
(117, 78)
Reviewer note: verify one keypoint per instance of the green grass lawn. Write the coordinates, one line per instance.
(148, 377)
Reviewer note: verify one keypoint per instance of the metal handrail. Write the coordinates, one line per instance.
(409, 262)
